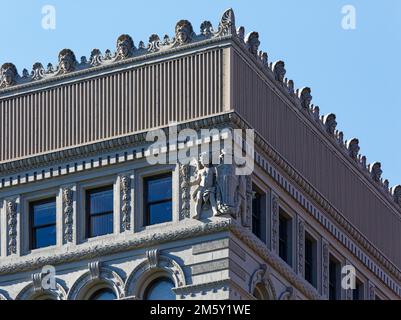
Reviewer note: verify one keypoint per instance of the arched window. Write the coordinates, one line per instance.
(160, 289)
(103, 294)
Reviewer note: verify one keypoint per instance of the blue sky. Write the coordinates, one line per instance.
(353, 73)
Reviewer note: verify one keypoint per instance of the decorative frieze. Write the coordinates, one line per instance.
(125, 202)
(301, 246)
(325, 269)
(274, 222)
(12, 221)
(68, 214)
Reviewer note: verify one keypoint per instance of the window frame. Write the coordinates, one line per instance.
(315, 257)
(32, 228)
(147, 205)
(88, 215)
(286, 213)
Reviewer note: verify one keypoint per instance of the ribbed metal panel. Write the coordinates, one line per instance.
(311, 156)
(112, 105)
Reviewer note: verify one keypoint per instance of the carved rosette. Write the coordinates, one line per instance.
(274, 223)
(68, 214)
(325, 270)
(301, 241)
(125, 191)
(11, 214)
(185, 192)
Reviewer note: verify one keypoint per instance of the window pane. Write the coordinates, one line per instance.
(101, 201)
(161, 290)
(104, 294)
(101, 225)
(160, 213)
(45, 237)
(159, 189)
(44, 213)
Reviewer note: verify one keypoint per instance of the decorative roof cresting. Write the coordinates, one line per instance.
(184, 35)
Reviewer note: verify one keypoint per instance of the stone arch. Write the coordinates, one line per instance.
(155, 266)
(33, 292)
(261, 282)
(96, 278)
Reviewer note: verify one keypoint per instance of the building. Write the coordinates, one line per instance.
(78, 194)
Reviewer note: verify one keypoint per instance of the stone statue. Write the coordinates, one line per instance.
(353, 148)
(279, 71)
(397, 194)
(205, 178)
(183, 32)
(9, 75)
(305, 97)
(125, 47)
(67, 61)
(330, 123)
(376, 171)
(253, 43)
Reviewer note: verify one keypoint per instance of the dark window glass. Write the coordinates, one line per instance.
(310, 256)
(158, 199)
(104, 294)
(357, 294)
(99, 210)
(334, 269)
(256, 215)
(160, 289)
(43, 223)
(284, 238)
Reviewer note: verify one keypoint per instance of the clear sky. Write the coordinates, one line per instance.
(353, 73)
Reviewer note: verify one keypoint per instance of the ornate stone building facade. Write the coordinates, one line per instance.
(311, 206)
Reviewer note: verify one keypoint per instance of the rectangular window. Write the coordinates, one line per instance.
(285, 237)
(310, 260)
(334, 279)
(358, 293)
(259, 214)
(99, 211)
(158, 199)
(43, 223)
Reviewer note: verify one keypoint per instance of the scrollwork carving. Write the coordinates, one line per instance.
(11, 214)
(227, 24)
(125, 189)
(68, 212)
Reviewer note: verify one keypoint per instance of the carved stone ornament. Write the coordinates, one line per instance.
(227, 24)
(279, 71)
(288, 294)
(325, 269)
(8, 74)
(154, 43)
(184, 32)
(275, 223)
(206, 28)
(396, 192)
(241, 33)
(125, 47)
(301, 241)
(38, 71)
(185, 190)
(68, 213)
(353, 148)
(376, 171)
(305, 97)
(262, 277)
(11, 214)
(153, 258)
(96, 58)
(94, 269)
(125, 191)
(330, 123)
(252, 43)
(67, 61)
